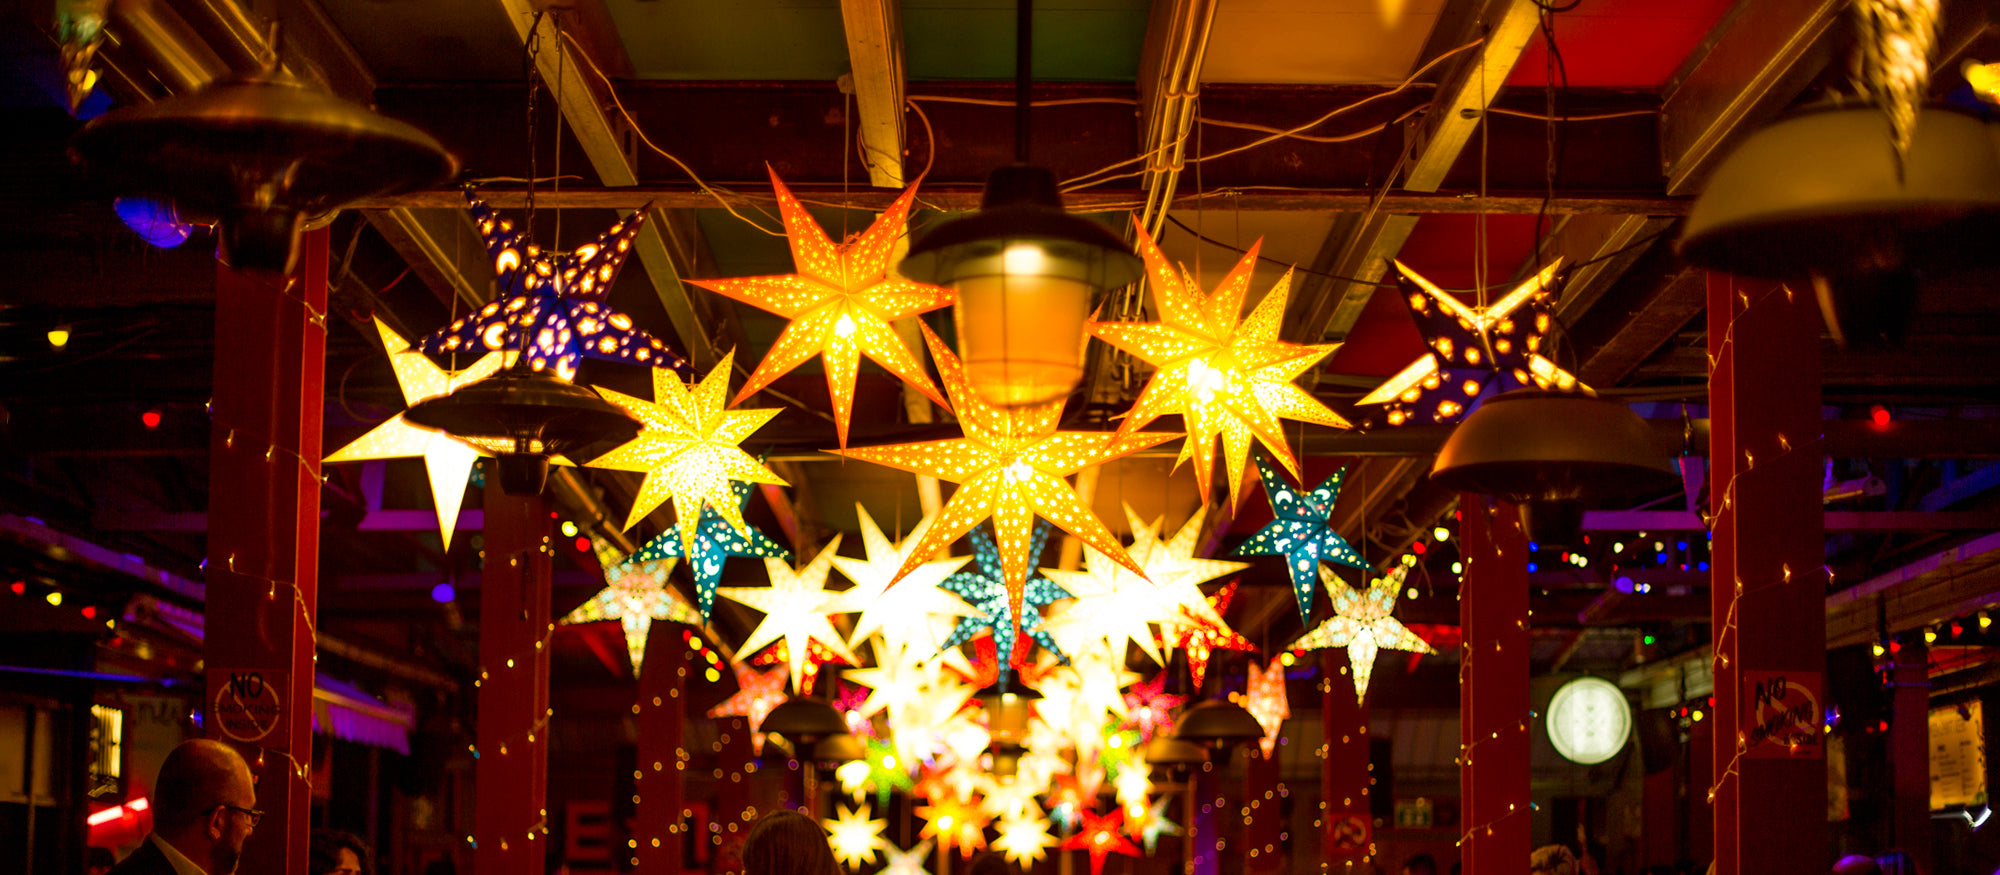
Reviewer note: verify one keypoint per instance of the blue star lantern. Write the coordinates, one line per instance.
(552, 309)
(984, 587)
(1302, 533)
(715, 541)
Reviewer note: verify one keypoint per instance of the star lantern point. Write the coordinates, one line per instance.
(1264, 697)
(635, 595)
(1101, 836)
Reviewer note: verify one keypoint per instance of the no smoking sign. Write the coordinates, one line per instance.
(247, 705)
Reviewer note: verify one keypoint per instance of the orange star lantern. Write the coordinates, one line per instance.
(1101, 836)
(954, 822)
(1226, 376)
(1009, 466)
(687, 447)
(840, 302)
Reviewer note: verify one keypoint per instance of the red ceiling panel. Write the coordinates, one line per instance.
(1621, 43)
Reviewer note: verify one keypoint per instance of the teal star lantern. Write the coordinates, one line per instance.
(1302, 532)
(715, 541)
(984, 587)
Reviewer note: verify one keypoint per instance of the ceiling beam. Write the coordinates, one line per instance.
(1362, 248)
(1958, 581)
(604, 143)
(418, 234)
(1169, 85)
(966, 197)
(875, 59)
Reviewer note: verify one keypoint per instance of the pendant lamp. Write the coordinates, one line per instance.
(1219, 726)
(838, 748)
(1550, 452)
(1026, 271)
(525, 416)
(804, 721)
(258, 154)
(1007, 716)
(1167, 752)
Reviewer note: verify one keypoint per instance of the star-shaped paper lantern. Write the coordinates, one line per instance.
(636, 594)
(795, 608)
(1069, 800)
(1133, 780)
(901, 614)
(954, 822)
(1101, 837)
(817, 654)
(757, 693)
(1009, 466)
(687, 447)
(1025, 840)
(984, 587)
(1175, 569)
(855, 838)
(1227, 377)
(879, 769)
(715, 541)
(1007, 798)
(1151, 822)
(1302, 532)
(895, 682)
(1474, 352)
(1079, 700)
(1198, 639)
(1115, 605)
(551, 311)
(1264, 697)
(447, 460)
(840, 304)
(910, 862)
(1150, 707)
(1362, 624)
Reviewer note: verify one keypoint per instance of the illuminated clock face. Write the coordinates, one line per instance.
(1589, 720)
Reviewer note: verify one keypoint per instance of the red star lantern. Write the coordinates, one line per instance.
(1199, 638)
(1101, 837)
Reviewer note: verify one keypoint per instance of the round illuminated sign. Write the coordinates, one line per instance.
(1589, 720)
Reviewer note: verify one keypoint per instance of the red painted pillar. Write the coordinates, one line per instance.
(734, 813)
(1493, 689)
(1347, 828)
(1909, 751)
(263, 539)
(662, 763)
(1263, 818)
(510, 822)
(1768, 784)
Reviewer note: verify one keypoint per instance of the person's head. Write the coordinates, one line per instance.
(786, 842)
(1552, 860)
(1421, 864)
(97, 861)
(1895, 862)
(1856, 864)
(205, 804)
(337, 853)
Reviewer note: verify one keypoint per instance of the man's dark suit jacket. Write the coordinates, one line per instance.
(147, 860)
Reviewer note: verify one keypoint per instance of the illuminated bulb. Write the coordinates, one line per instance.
(59, 337)
(1930, 636)
(1458, 568)
(1984, 621)
(1023, 259)
(569, 529)
(1441, 533)
(844, 326)
(55, 598)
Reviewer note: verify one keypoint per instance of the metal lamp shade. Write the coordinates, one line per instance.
(1820, 198)
(524, 416)
(1218, 726)
(842, 747)
(1550, 452)
(804, 721)
(1026, 273)
(1008, 713)
(257, 154)
(1177, 752)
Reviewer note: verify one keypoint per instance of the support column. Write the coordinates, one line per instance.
(662, 762)
(734, 813)
(1346, 822)
(1909, 751)
(1768, 783)
(510, 822)
(1493, 689)
(263, 539)
(1262, 812)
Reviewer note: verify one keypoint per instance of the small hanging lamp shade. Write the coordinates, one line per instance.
(1008, 712)
(525, 416)
(1219, 726)
(838, 748)
(804, 721)
(1176, 752)
(1550, 452)
(1820, 198)
(1026, 273)
(258, 154)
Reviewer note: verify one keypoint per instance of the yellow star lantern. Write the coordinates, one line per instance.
(954, 822)
(1025, 840)
(856, 839)
(795, 608)
(447, 460)
(909, 613)
(1362, 624)
(840, 304)
(1227, 376)
(687, 447)
(1009, 466)
(1264, 697)
(636, 594)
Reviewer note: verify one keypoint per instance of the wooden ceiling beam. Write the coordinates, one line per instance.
(875, 59)
(1169, 84)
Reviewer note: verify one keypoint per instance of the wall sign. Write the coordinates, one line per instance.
(247, 705)
(1780, 716)
(1958, 756)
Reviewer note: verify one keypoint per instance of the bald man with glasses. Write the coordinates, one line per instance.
(204, 807)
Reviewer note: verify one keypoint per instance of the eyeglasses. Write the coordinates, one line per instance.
(255, 815)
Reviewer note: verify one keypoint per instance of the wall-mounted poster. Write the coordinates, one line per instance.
(1958, 756)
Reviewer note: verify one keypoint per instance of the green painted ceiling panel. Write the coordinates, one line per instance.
(732, 39)
(1076, 41)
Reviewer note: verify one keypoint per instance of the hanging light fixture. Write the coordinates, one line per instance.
(1219, 726)
(1861, 201)
(1007, 716)
(257, 154)
(805, 721)
(524, 416)
(1174, 753)
(1025, 270)
(838, 748)
(1550, 452)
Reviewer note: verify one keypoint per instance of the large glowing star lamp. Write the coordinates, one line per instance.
(795, 608)
(716, 539)
(1025, 272)
(1361, 622)
(856, 838)
(840, 303)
